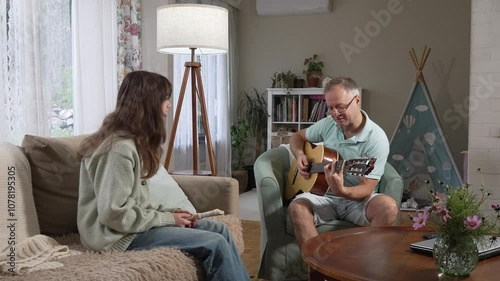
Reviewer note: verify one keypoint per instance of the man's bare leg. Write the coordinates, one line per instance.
(303, 221)
(382, 210)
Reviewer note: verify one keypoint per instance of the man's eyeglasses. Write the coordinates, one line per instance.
(340, 109)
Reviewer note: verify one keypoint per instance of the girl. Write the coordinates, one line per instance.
(114, 207)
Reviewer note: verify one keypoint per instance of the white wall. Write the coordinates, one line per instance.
(484, 108)
(151, 59)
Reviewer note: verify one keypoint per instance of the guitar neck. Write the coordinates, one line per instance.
(318, 167)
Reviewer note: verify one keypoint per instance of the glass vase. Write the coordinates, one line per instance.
(455, 257)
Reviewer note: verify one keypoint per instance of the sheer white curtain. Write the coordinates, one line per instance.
(29, 59)
(215, 86)
(94, 61)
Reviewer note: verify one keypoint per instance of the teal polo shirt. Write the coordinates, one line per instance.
(370, 142)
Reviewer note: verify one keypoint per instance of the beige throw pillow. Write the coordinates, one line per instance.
(55, 172)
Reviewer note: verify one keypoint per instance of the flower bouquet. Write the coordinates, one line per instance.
(460, 223)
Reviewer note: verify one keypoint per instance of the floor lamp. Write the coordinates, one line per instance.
(193, 29)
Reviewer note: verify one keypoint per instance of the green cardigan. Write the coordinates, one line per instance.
(114, 202)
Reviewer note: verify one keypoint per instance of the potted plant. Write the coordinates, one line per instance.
(253, 108)
(283, 79)
(314, 70)
(239, 138)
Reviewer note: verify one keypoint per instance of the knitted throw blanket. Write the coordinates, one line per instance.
(35, 253)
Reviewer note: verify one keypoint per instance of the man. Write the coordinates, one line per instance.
(350, 132)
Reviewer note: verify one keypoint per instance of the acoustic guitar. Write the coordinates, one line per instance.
(319, 156)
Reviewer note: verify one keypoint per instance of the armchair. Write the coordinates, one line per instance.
(280, 256)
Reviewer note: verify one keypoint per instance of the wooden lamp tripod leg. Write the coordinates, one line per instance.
(176, 118)
(195, 77)
(201, 96)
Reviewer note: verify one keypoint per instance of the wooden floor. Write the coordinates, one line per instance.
(250, 257)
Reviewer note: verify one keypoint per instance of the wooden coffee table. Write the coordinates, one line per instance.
(379, 253)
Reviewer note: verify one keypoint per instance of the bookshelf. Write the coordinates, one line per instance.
(292, 110)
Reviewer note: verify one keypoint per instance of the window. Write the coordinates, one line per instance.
(36, 69)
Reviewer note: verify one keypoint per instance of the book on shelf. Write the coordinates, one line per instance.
(313, 111)
(305, 109)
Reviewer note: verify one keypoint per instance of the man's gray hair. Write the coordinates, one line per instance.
(347, 83)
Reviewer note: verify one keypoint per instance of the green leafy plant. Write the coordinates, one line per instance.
(457, 214)
(283, 79)
(239, 138)
(253, 108)
(314, 67)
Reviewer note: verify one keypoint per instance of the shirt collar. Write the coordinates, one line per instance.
(365, 132)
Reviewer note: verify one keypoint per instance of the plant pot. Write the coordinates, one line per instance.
(242, 177)
(312, 82)
(251, 177)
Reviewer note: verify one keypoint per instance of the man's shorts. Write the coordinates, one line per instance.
(329, 207)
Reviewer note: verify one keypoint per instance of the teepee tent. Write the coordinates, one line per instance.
(418, 148)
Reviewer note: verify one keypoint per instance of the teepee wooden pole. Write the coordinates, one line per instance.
(420, 64)
(426, 56)
(422, 59)
(413, 58)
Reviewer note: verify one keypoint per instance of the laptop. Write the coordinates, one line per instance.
(486, 250)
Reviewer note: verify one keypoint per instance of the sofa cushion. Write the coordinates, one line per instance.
(55, 171)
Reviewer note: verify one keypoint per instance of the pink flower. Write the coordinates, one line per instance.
(443, 214)
(496, 207)
(441, 197)
(420, 220)
(472, 222)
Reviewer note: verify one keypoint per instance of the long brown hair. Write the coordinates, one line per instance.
(137, 116)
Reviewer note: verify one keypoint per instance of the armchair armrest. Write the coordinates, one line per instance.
(208, 193)
(271, 169)
(391, 184)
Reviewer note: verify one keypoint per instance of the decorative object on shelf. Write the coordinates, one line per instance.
(283, 136)
(299, 82)
(283, 79)
(460, 225)
(192, 29)
(314, 70)
(325, 81)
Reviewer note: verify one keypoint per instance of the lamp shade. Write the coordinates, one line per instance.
(184, 26)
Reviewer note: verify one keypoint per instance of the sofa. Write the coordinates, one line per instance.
(40, 178)
(280, 257)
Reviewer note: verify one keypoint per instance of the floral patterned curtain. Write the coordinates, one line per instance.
(129, 37)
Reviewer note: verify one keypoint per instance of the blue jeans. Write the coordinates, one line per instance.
(210, 242)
